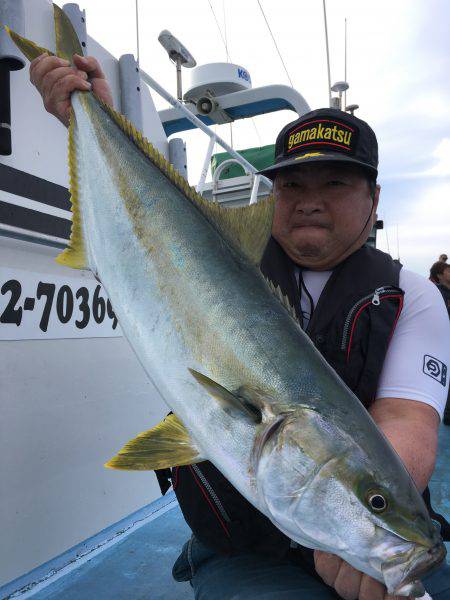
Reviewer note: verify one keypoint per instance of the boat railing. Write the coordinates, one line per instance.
(213, 139)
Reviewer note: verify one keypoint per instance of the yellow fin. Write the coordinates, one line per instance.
(232, 403)
(29, 48)
(67, 42)
(166, 445)
(247, 228)
(75, 254)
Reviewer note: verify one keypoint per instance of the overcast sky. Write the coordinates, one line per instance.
(398, 71)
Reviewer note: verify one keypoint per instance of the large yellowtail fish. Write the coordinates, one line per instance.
(249, 390)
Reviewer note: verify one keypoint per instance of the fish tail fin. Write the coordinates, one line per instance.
(67, 42)
(74, 255)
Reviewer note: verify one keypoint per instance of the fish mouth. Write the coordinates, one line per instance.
(419, 565)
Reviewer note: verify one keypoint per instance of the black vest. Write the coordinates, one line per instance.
(351, 326)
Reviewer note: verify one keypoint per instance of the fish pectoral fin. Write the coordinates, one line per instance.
(168, 444)
(230, 402)
(67, 42)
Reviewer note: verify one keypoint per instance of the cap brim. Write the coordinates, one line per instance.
(297, 161)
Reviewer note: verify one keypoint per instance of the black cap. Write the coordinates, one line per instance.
(325, 135)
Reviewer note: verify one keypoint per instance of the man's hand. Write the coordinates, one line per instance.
(349, 583)
(55, 80)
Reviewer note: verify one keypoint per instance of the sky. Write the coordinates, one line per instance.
(398, 69)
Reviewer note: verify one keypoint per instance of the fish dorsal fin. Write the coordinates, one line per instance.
(230, 402)
(247, 228)
(284, 300)
(168, 444)
(74, 255)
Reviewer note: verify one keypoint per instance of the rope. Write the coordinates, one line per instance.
(274, 41)
(327, 50)
(220, 30)
(225, 43)
(225, 29)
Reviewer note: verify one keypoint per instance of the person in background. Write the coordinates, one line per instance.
(440, 275)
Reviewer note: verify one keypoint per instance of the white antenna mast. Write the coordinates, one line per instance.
(387, 241)
(328, 50)
(398, 245)
(345, 64)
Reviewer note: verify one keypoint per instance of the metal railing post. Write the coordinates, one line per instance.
(201, 183)
(254, 194)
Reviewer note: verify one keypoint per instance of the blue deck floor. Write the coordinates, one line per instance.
(140, 565)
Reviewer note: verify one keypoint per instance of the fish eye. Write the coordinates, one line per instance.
(377, 502)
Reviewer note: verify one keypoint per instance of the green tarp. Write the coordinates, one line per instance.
(260, 158)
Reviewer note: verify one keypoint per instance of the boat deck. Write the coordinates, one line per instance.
(139, 566)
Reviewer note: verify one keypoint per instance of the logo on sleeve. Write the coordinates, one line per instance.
(435, 368)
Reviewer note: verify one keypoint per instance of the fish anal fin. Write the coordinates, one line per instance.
(229, 401)
(168, 444)
(74, 255)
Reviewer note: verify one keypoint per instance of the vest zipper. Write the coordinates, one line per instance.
(214, 497)
(374, 299)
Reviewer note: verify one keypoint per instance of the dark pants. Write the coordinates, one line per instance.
(446, 418)
(255, 577)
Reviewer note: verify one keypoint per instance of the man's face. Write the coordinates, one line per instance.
(444, 277)
(320, 212)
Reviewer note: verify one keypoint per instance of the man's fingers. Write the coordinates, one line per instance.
(40, 68)
(57, 102)
(348, 582)
(327, 566)
(63, 87)
(90, 65)
(57, 74)
(36, 61)
(371, 589)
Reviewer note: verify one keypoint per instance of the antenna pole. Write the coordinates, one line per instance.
(137, 33)
(328, 51)
(398, 245)
(345, 64)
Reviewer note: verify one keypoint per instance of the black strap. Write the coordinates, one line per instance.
(302, 289)
(445, 525)
(164, 477)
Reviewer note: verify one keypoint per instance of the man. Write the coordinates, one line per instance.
(326, 192)
(440, 275)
